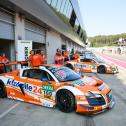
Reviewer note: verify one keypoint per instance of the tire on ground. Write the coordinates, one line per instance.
(3, 93)
(101, 69)
(65, 101)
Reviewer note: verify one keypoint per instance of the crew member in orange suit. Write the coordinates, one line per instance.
(76, 55)
(43, 57)
(31, 57)
(0, 59)
(66, 56)
(37, 60)
(4, 59)
(59, 59)
(1, 68)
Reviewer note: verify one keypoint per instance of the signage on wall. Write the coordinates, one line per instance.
(23, 49)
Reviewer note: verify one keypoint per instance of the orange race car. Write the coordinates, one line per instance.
(91, 64)
(52, 85)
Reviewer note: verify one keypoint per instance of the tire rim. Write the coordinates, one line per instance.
(65, 101)
(101, 70)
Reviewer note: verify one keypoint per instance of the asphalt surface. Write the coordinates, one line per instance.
(121, 57)
(16, 113)
(119, 60)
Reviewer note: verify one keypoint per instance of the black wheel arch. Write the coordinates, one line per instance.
(75, 102)
(64, 90)
(101, 66)
(5, 92)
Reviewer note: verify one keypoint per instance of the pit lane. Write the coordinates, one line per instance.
(16, 113)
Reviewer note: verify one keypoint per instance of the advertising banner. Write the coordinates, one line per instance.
(23, 49)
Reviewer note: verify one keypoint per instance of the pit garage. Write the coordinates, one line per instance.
(35, 33)
(7, 34)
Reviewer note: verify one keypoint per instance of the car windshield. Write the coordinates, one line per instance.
(98, 60)
(64, 74)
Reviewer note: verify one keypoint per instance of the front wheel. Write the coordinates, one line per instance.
(2, 90)
(101, 69)
(65, 101)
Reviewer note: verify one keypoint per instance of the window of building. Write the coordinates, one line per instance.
(78, 31)
(54, 3)
(72, 18)
(76, 25)
(62, 6)
(49, 1)
(65, 7)
(69, 11)
(59, 3)
(81, 35)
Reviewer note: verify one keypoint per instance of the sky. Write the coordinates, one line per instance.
(103, 17)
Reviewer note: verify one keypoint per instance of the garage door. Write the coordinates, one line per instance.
(34, 32)
(6, 25)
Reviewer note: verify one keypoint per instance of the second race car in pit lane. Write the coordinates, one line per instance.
(92, 64)
(51, 86)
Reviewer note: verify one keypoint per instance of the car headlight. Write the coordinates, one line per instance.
(102, 87)
(95, 99)
(93, 95)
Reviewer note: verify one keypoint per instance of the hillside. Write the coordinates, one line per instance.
(103, 40)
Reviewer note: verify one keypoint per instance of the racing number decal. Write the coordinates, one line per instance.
(37, 90)
(47, 90)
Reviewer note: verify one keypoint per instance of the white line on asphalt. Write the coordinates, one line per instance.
(7, 111)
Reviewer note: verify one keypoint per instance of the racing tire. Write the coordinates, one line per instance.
(70, 66)
(101, 69)
(3, 93)
(65, 101)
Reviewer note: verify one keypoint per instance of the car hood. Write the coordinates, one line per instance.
(89, 81)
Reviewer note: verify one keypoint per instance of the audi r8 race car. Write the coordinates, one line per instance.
(52, 85)
(92, 64)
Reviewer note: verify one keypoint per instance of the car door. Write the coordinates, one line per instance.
(93, 66)
(86, 64)
(43, 86)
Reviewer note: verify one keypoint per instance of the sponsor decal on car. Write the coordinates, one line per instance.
(94, 66)
(88, 67)
(47, 91)
(78, 82)
(28, 87)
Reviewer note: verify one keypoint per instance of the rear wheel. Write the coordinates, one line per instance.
(3, 93)
(101, 69)
(65, 101)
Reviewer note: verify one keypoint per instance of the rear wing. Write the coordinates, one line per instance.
(8, 67)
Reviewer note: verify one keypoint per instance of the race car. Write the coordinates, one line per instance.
(52, 85)
(92, 64)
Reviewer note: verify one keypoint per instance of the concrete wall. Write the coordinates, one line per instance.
(19, 30)
(53, 41)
